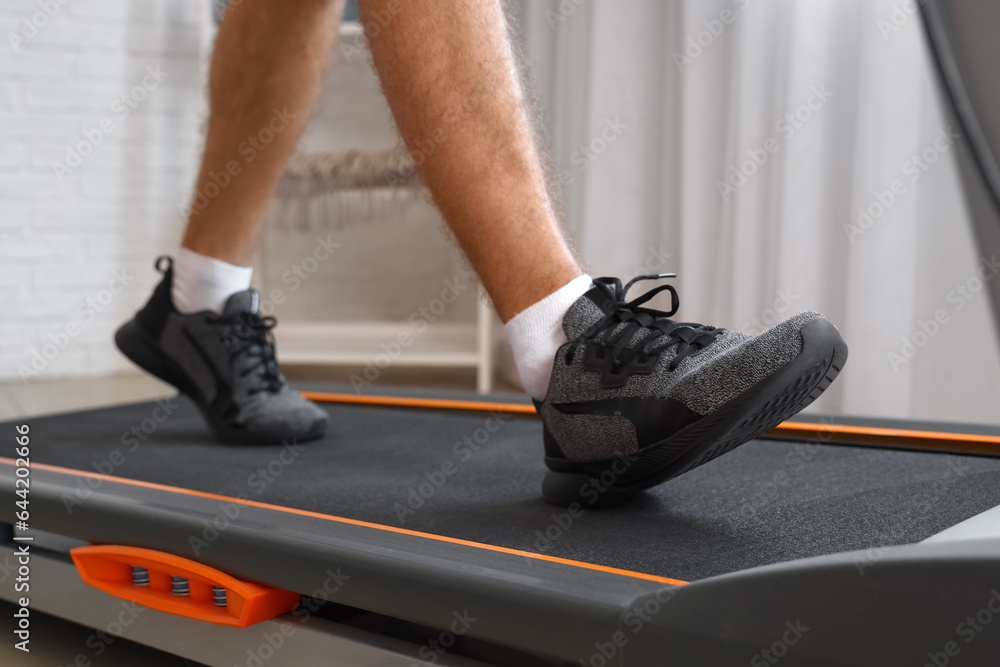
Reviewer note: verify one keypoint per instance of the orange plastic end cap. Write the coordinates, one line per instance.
(109, 568)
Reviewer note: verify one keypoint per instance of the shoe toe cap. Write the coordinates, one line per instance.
(744, 365)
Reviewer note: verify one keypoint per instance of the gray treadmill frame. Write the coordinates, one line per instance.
(978, 148)
(888, 606)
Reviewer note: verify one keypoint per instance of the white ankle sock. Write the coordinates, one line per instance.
(536, 334)
(204, 283)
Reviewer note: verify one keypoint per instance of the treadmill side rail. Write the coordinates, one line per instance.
(515, 600)
(179, 586)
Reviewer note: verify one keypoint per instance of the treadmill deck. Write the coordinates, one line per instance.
(477, 476)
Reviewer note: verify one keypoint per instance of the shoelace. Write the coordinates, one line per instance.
(687, 336)
(249, 335)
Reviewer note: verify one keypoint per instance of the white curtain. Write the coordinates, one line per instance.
(652, 107)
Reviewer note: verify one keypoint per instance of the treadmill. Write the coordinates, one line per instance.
(413, 533)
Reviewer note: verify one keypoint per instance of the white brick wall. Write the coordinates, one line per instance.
(62, 241)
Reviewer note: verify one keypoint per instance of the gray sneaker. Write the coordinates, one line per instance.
(224, 363)
(636, 399)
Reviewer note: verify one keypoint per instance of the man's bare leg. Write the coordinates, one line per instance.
(450, 76)
(265, 76)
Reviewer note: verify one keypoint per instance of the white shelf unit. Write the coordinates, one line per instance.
(358, 344)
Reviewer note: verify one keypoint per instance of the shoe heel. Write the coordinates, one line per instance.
(573, 488)
(136, 344)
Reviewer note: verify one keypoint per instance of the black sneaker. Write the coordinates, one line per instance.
(636, 399)
(224, 363)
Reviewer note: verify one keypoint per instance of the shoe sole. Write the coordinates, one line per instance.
(762, 407)
(143, 351)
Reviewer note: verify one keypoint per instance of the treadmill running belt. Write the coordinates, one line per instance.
(447, 473)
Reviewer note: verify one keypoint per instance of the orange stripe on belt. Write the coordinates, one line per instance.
(845, 429)
(354, 522)
(833, 433)
(407, 402)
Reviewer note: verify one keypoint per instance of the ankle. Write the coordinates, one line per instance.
(536, 333)
(205, 283)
